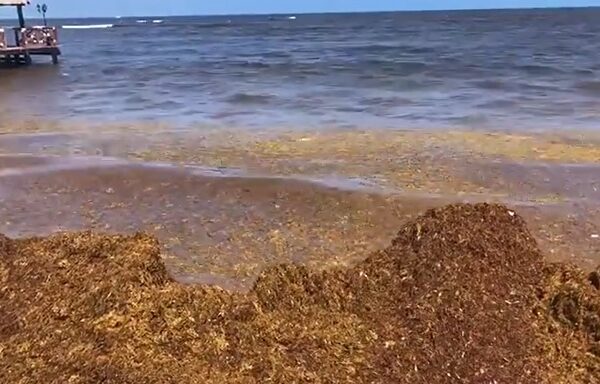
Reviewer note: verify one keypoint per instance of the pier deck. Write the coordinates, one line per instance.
(18, 47)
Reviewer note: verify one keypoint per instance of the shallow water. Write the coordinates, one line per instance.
(487, 69)
(225, 230)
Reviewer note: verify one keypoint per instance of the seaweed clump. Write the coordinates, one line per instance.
(462, 295)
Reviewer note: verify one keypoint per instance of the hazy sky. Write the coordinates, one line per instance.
(88, 8)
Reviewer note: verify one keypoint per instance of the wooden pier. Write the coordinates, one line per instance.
(27, 41)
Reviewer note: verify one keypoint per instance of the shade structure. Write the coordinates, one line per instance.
(19, 4)
(13, 2)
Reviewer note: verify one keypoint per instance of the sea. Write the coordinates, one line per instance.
(500, 69)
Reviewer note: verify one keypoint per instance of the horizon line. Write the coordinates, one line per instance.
(326, 12)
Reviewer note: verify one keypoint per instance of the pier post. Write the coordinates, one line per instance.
(21, 17)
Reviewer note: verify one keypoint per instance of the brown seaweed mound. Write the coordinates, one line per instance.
(461, 296)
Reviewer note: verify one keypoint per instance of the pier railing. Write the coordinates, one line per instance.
(18, 47)
(38, 37)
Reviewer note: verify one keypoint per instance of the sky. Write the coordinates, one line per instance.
(97, 8)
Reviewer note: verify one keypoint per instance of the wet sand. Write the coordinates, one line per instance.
(231, 226)
(224, 226)
(226, 204)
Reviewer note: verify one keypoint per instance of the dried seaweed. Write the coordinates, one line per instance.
(462, 295)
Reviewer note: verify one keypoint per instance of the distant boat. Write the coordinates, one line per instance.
(157, 21)
(141, 21)
(292, 18)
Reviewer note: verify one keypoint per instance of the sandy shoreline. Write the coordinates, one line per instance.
(227, 206)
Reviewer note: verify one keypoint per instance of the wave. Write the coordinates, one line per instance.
(498, 104)
(400, 68)
(251, 64)
(591, 87)
(490, 84)
(227, 23)
(144, 21)
(248, 98)
(383, 48)
(538, 69)
(393, 101)
(89, 26)
(409, 67)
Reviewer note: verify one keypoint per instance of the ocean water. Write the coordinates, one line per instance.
(530, 69)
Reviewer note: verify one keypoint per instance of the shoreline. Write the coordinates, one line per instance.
(334, 186)
(224, 228)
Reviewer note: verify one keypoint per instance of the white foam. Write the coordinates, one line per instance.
(56, 164)
(157, 21)
(90, 26)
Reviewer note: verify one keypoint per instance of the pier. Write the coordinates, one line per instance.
(19, 44)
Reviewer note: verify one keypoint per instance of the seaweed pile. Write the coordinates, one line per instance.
(462, 295)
